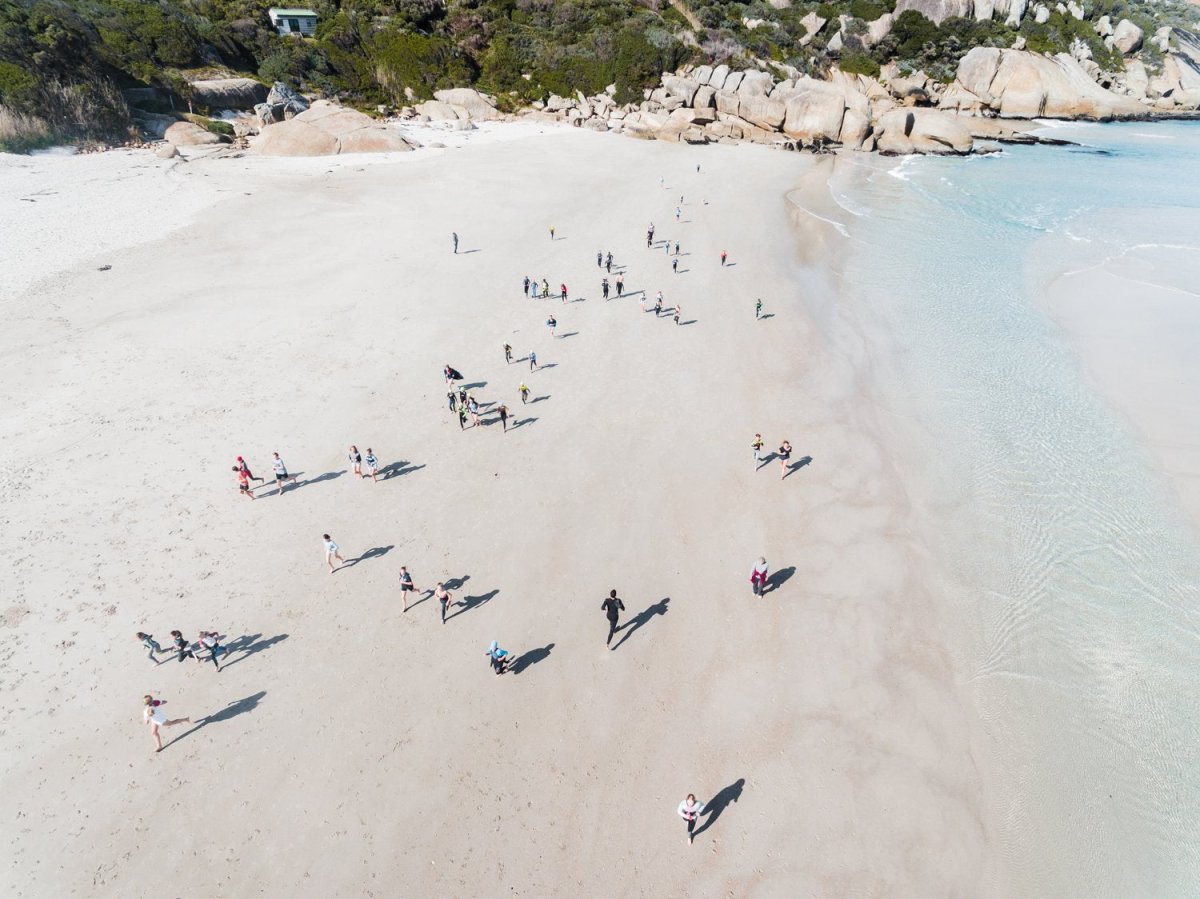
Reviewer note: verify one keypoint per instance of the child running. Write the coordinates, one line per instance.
(497, 658)
(356, 460)
(331, 553)
(151, 645)
(757, 446)
(524, 391)
(444, 598)
(243, 477)
(785, 453)
(503, 410)
(372, 465)
(406, 586)
(281, 473)
(153, 714)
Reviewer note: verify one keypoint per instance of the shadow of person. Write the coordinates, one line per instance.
(456, 583)
(232, 710)
(328, 476)
(472, 602)
(777, 579)
(249, 645)
(530, 657)
(373, 553)
(634, 623)
(797, 465)
(718, 804)
(396, 469)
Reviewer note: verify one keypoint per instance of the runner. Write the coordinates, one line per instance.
(676, 248)
(613, 607)
(757, 446)
(242, 466)
(675, 265)
(658, 304)
(620, 285)
(211, 641)
(473, 406)
(356, 460)
(444, 598)
(503, 410)
(372, 465)
(545, 288)
(450, 399)
(454, 237)
(243, 481)
(552, 232)
(757, 309)
(406, 586)
(552, 323)
(534, 285)
(785, 453)
(508, 354)
(331, 553)
(527, 285)
(678, 212)
(151, 645)
(599, 260)
(604, 287)
(608, 263)
(724, 256)
(689, 811)
(497, 658)
(642, 301)
(462, 416)
(452, 374)
(532, 360)
(678, 309)
(758, 577)
(524, 393)
(182, 647)
(281, 473)
(562, 292)
(153, 714)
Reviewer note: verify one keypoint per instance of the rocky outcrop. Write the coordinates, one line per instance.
(228, 93)
(478, 107)
(905, 131)
(189, 134)
(937, 11)
(1126, 37)
(326, 129)
(282, 104)
(1016, 83)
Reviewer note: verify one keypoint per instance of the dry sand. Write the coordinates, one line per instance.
(357, 750)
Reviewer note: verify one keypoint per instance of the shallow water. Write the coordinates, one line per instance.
(1071, 572)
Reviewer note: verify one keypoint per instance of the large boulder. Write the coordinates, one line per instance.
(683, 88)
(878, 29)
(437, 111)
(718, 76)
(189, 134)
(229, 93)
(1019, 84)
(817, 112)
(1126, 37)
(705, 98)
(760, 111)
(479, 108)
(755, 84)
(903, 131)
(812, 25)
(325, 130)
(937, 11)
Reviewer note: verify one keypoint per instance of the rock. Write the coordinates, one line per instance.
(328, 129)
(957, 98)
(937, 11)
(153, 125)
(727, 102)
(760, 111)
(695, 116)
(983, 10)
(1017, 83)
(683, 88)
(1103, 26)
(1012, 10)
(705, 98)
(560, 104)
(703, 75)
(283, 103)
(672, 102)
(1127, 37)
(718, 76)
(1162, 38)
(1075, 9)
(437, 111)
(733, 82)
(479, 107)
(835, 44)
(903, 131)
(879, 29)
(755, 84)
(817, 110)
(1136, 81)
(167, 151)
(1041, 14)
(812, 24)
(228, 93)
(189, 134)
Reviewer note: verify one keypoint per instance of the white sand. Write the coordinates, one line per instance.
(368, 752)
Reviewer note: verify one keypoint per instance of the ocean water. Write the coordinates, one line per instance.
(1070, 571)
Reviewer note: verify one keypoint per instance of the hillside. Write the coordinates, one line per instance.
(70, 68)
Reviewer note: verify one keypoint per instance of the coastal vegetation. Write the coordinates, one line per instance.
(66, 66)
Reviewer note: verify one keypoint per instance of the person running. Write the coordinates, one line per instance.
(757, 309)
(675, 265)
(508, 354)
(183, 648)
(281, 473)
(356, 460)
(758, 577)
(724, 256)
(152, 647)
(658, 304)
(613, 607)
(678, 212)
(608, 263)
(552, 323)
(650, 233)
(552, 232)
(604, 287)
(462, 416)
(532, 360)
(689, 811)
(649, 239)
(785, 453)
(599, 260)
(451, 374)
(243, 477)
(153, 714)
(545, 287)
(676, 248)
(524, 391)
(331, 553)
(473, 407)
(242, 466)
(444, 598)
(562, 292)
(527, 286)
(757, 446)
(534, 285)
(678, 310)
(666, 248)
(462, 396)
(406, 586)
(620, 285)
(450, 399)
(454, 237)
(211, 641)
(503, 410)
(372, 465)
(497, 658)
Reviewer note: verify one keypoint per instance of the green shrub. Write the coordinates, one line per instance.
(859, 64)
(18, 87)
(418, 62)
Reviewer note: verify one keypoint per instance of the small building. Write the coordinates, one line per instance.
(293, 21)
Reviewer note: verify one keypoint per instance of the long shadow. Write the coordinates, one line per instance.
(522, 423)
(797, 465)
(473, 385)
(396, 469)
(456, 583)
(530, 657)
(690, 321)
(763, 318)
(249, 645)
(720, 802)
(373, 553)
(538, 399)
(465, 252)
(729, 265)
(425, 595)
(682, 271)
(473, 602)
(636, 622)
(232, 710)
(763, 460)
(777, 579)
(328, 476)
(548, 365)
(568, 334)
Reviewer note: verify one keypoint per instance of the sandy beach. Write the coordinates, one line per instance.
(351, 749)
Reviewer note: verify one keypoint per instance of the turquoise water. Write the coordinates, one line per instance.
(1071, 571)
